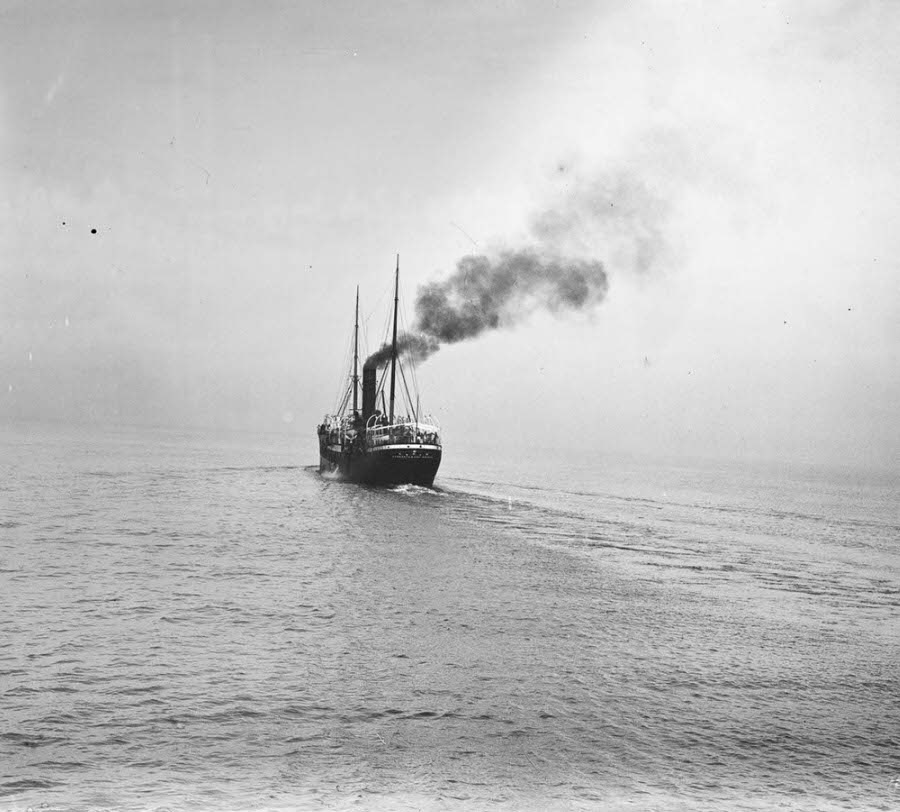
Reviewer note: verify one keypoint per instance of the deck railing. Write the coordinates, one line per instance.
(403, 431)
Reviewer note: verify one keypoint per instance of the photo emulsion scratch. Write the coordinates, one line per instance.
(415, 406)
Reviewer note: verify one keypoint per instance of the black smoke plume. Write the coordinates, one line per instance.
(615, 214)
(487, 293)
(418, 347)
(484, 294)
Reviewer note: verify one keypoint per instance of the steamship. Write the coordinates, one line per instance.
(380, 446)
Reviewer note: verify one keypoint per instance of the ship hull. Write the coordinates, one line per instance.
(413, 464)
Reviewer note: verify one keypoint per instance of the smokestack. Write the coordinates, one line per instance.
(369, 384)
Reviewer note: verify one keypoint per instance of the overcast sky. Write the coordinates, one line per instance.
(191, 192)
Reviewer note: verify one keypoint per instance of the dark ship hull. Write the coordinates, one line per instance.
(389, 465)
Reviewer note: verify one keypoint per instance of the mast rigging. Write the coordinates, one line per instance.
(394, 339)
(356, 354)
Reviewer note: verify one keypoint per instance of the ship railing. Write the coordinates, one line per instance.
(330, 429)
(331, 422)
(403, 431)
(340, 430)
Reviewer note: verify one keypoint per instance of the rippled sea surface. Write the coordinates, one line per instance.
(201, 622)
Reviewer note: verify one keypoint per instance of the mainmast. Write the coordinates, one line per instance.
(356, 354)
(394, 339)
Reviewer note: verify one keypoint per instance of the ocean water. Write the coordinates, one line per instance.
(202, 622)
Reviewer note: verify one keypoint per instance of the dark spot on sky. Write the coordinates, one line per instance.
(93, 231)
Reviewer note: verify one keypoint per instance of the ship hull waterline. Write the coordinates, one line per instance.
(414, 464)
